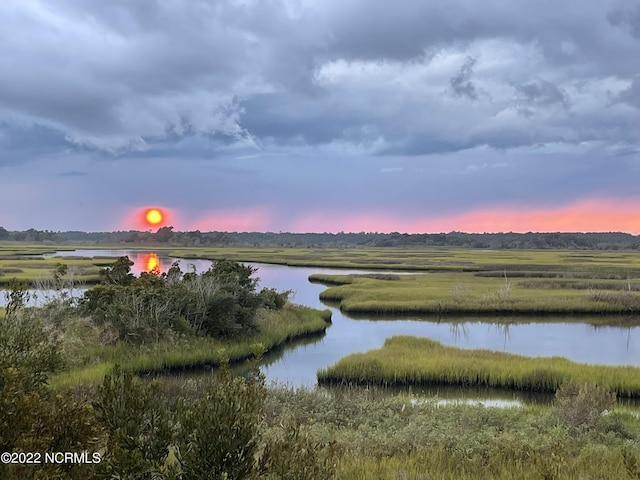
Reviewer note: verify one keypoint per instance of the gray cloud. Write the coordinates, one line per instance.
(631, 95)
(541, 92)
(461, 83)
(137, 76)
(627, 18)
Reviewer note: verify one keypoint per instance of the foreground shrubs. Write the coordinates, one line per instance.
(219, 433)
(375, 435)
(32, 417)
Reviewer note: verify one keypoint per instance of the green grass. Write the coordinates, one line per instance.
(454, 293)
(85, 270)
(407, 360)
(91, 360)
(430, 258)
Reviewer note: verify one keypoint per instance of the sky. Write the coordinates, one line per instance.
(416, 116)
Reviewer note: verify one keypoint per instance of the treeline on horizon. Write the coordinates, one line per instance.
(167, 235)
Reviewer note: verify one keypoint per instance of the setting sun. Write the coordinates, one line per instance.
(154, 216)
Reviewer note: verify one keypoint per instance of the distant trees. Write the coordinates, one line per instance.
(508, 240)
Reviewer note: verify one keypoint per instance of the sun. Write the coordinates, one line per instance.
(153, 216)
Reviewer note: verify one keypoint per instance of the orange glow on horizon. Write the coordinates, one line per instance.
(234, 220)
(594, 215)
(588, 215)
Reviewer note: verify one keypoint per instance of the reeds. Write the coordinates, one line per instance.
(407, 360)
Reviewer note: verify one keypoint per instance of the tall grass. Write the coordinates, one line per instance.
(407, 360)
(276, 329)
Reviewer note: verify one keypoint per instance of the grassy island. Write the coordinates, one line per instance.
(482, 293)
(405, 360)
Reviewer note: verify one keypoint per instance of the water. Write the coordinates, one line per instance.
(296, 364)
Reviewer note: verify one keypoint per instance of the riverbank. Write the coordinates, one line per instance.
(407, 360)
(91, 361)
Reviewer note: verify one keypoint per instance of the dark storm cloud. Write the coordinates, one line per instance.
(131, 76)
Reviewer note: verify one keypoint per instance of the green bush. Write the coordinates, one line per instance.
(137, 426)
(219, 434)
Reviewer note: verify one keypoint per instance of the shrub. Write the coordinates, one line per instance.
(137, 426)
(580, 405)
(219, 433)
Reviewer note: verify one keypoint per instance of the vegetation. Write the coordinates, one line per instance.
(90, 359)
(446, 293)
(374, 435)
(175, 320)
(226, 427)
(407, 360)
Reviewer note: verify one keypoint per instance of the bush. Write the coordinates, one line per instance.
(274, 300)
(137, 426)
(221, 302)
(219, 433)
(580, 405)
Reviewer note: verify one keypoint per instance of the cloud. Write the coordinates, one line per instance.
(461, 83)
(627, 18)
(139, 76)
(631, 95)
(542, 92)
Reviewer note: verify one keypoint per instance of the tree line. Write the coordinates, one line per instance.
(168, 236)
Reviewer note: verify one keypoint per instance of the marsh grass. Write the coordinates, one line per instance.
(430, 258)
(36, 269)
(448, 293)
(419, 361)
(91, 359)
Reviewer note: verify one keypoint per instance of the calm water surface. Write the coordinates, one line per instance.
(297, 364)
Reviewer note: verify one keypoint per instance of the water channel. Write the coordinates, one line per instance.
(296, 364)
